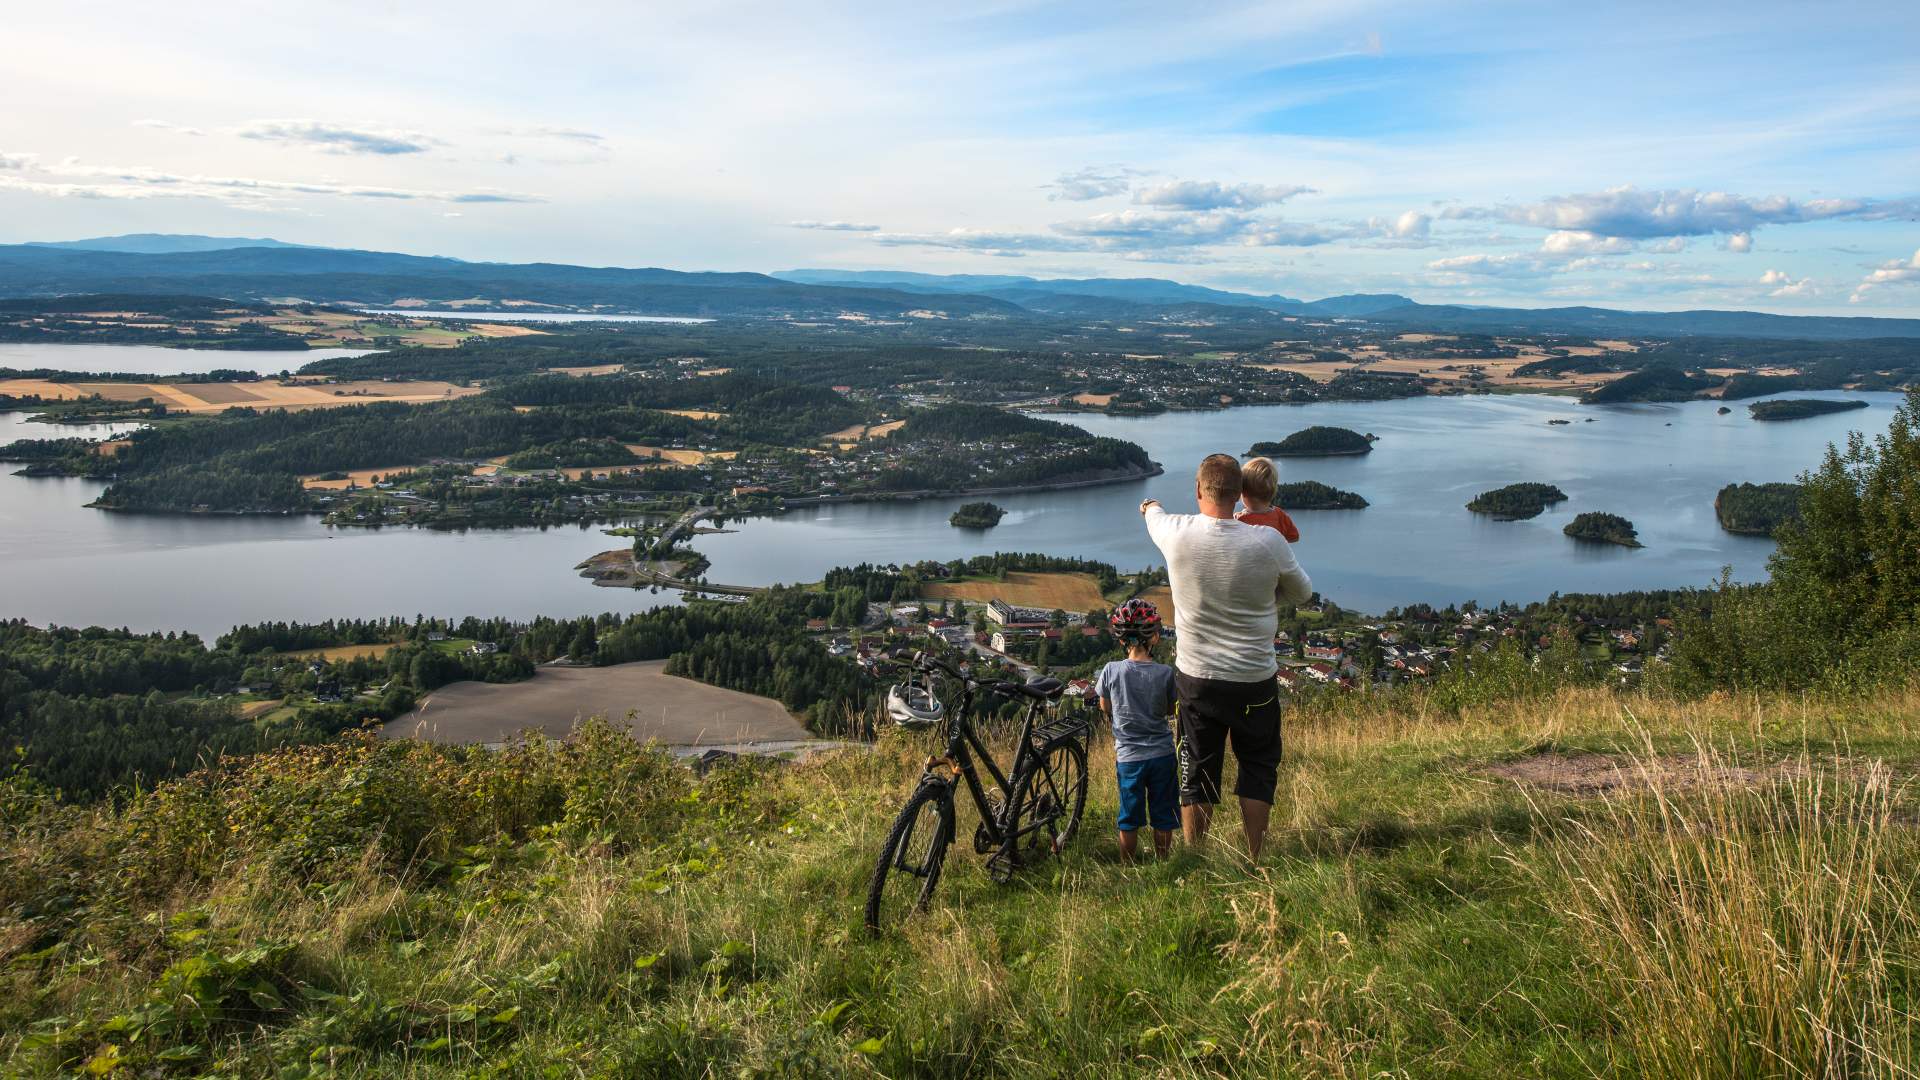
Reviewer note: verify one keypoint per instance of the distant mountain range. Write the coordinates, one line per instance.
(163, 243)
(263, 269)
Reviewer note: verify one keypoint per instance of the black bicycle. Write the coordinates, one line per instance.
(1023, 820)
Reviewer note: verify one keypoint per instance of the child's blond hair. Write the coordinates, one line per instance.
(1259, 480)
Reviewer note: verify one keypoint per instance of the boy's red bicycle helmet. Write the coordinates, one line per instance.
(1136, 618)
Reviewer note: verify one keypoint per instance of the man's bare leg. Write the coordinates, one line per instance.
(1253, 818)
(1129, 844)
(1162, 842)
(1194, 819)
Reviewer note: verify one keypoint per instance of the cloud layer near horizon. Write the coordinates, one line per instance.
(1299, 149)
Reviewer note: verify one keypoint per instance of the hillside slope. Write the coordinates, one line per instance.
(1484, 892)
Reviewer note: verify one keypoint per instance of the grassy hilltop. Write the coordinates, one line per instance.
(1538, 881)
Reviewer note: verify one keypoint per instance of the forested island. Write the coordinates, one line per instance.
(1800, 408)
(977, 515)
(1517, 502)
(1315, 441)
(1757, 509)
(1314, 495)
(1602, 528)
(1660, 383)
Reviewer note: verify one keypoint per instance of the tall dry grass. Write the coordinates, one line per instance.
(1743, 921)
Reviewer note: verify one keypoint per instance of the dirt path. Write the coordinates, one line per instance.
(640, 696)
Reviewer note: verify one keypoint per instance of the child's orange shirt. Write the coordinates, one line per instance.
(1273, 518)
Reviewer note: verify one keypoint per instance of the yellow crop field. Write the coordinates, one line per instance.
(583, 372)
(336, 653)
(264, 394)
(697, 414)
(357, 478)
(1068, 592)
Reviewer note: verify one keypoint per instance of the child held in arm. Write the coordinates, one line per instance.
(1259, 480)
(1137, 695)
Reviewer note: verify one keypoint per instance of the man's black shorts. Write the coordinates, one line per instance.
(1212, 711)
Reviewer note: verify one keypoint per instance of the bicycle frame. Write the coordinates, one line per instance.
(964, 746)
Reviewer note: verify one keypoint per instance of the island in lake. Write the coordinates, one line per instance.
(1315, 442)
(1756, 509)
(1314, 495)
(1603, 529)
(977, 515)
(1517, 502)
(1800, 408)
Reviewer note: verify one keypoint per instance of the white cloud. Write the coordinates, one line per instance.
(1897, 272)
(16, 161)
(72, 179)
(1575, 242)
(1198, 195)
(833, 226)
(1781, 283)
(1093, 182)
(1740, 242)
(984, 241)
(339, 138)
(1636, 213)
(1412, 225)
(168, 125)
(1493, 265)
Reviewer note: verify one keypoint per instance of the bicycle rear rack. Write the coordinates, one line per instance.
(1070, 726)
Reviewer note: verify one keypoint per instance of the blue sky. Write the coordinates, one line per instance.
(1656, 156)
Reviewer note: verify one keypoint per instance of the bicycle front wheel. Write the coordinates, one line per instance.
(910, 860)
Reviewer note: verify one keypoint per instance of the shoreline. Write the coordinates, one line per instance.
(606, 572)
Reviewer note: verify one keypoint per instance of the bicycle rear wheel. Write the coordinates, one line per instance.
(1049, 795)
(910, 860)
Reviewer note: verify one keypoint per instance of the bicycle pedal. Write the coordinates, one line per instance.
(982, 840)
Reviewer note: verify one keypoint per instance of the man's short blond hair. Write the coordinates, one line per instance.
(1219, 477)
(1259, 480)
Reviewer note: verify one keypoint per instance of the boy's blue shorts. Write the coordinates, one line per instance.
(1149, 792)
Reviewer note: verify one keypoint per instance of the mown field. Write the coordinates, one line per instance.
(1048, 591)
(1573, 884)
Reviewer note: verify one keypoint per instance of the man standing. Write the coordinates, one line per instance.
(1229, 579)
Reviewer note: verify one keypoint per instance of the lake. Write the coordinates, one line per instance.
(1416, 542)
(64, 563)
(61, 562)
(160, 360)
(528, 316)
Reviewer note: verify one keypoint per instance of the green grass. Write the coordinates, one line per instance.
(397, 909)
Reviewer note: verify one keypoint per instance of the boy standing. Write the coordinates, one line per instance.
(1138, 695)
(1259, 481)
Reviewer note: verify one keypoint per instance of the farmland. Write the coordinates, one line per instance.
(1067, 592)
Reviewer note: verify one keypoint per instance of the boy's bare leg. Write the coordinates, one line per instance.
(1253, 819)
(1130, 844)
(1194, 820)
(1162, 842)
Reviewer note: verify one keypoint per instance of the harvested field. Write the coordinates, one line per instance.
(265, 394)
(697, 414)
(1161, 596)
(217, 393)
(847, 437)
(109, 449)
(678, 457)
(255, 709)
(1069, 592)
(1098, 401)
(337, 653)
(356, 478)
(641, 697)
(583, 372)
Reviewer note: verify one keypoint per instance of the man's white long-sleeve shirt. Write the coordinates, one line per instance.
(1228, 581)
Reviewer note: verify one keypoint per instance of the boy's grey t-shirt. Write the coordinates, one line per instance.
(1139, 693)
